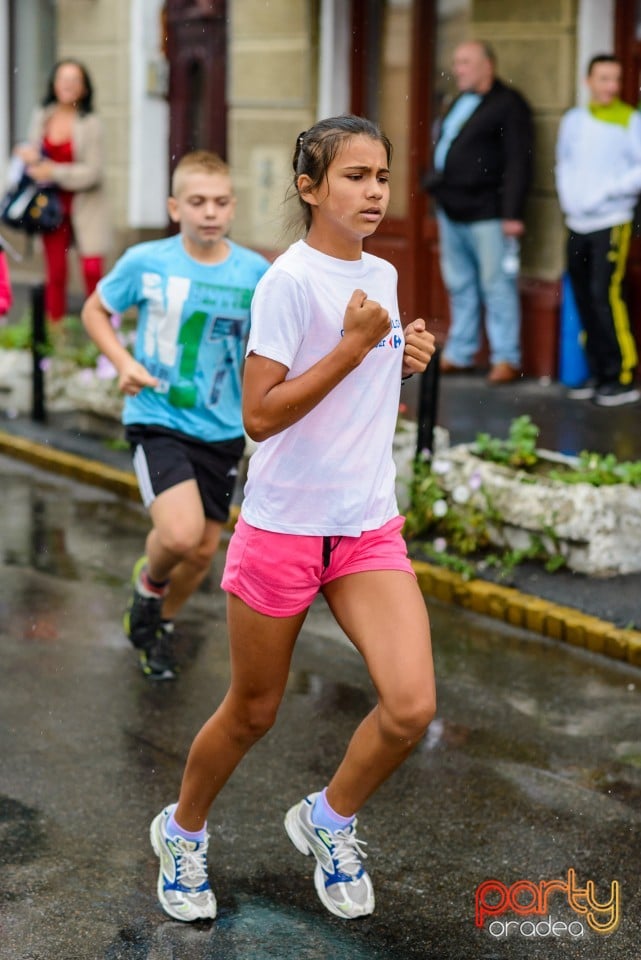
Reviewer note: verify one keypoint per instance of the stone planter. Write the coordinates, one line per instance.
(15, 381)
(597, 529)
(404, 451)
(85, 392)
(67, 387)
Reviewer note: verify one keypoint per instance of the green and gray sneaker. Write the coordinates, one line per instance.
(143, 614)
(157, 660)
(148, 632)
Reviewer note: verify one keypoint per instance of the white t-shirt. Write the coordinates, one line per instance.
(332, 472)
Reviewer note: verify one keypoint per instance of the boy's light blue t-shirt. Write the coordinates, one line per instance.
(193, 321)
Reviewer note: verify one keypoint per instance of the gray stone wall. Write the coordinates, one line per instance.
(272, 97)
(97, 32)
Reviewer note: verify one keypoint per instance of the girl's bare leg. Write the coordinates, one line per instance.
(261, 648)
(384, 615)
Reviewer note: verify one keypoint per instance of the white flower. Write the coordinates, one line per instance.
(439, 508)
(440, 544)
(475, 481)
(440, 467)
(461, 493)
(105, 369)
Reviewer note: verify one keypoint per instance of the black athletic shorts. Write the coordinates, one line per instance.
(164, 458)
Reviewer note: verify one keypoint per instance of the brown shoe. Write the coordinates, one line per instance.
(503, 373)
(446, 366)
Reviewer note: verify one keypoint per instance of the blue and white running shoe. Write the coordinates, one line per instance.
(183, 887)
(340, 879)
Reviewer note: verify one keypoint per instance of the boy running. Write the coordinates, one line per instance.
(182, 411)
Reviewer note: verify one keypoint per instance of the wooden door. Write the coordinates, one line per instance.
(392, 71)
(197, 54)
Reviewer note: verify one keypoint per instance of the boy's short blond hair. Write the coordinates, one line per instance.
(200, 161)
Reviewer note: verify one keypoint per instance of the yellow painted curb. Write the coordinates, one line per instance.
(71, 465)
(532, 613)
(94, 472)
(493, 600)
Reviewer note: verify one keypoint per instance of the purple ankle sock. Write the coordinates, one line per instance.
(324, 816)
(174, 830)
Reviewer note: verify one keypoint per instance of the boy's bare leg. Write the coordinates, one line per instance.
(190, 572)
(179, 540)
(178, 527)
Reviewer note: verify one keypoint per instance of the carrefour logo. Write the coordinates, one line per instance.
(394, 340)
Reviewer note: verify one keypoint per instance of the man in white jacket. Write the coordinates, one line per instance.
(598, 180)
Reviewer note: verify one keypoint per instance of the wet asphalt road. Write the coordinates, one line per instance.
(531, 770)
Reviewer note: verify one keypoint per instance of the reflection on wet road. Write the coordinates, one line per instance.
(531, 771)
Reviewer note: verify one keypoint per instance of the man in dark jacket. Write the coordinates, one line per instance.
(482, 171)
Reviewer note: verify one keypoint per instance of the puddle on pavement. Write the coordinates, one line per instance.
(45, 529)
(256, 928)
(534, 745)
(21, 837)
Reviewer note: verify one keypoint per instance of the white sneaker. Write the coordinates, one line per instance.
(183, 888)
(340, 879)
(616, 395)
(582, 391)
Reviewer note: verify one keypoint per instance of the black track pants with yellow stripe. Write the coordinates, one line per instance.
(596, 265)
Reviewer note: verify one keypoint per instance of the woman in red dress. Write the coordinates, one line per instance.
(66, 148)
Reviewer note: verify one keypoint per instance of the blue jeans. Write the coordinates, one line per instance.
(472, 270)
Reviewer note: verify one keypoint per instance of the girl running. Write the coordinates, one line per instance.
(324, 363)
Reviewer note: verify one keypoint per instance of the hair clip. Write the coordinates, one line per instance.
(301, 137)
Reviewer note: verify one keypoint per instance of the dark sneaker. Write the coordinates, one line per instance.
(183, 888)
(340, 879)
(143, 614)
(157, 658)
(616, 395)
(582, 391)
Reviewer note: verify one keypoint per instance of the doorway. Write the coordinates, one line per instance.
(197, 54)
(401, 80)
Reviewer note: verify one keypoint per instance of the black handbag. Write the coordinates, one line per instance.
(31, 207)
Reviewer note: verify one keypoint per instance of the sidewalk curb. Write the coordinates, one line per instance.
(121, 482)
(566, 624)
(552, 620)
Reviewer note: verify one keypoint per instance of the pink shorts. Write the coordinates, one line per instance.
(280, 574)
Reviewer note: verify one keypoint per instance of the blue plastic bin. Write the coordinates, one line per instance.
(573, 365)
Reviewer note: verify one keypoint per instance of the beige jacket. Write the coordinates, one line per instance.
(84, 178)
